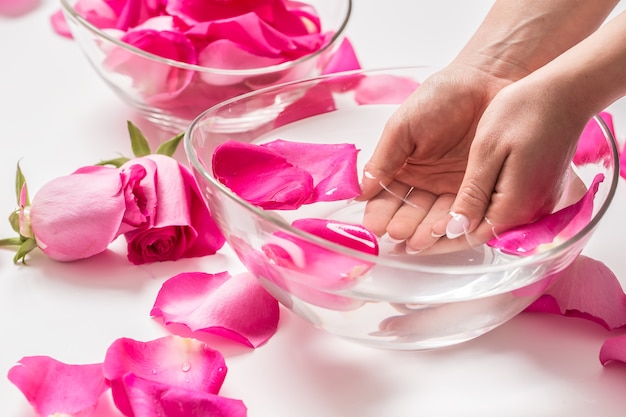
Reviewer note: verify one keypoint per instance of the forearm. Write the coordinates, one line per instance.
(519, 36)
(590, 76)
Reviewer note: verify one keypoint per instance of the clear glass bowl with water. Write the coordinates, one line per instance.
(400, 301)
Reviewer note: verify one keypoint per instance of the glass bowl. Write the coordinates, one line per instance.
(392, 301)
(171, 93)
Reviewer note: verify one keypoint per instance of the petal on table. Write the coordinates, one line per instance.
(384, 89)
(171, 360)
(592, 145)
(154, 399)
(237, 308)
(344, 59)
(586, 289)
(261, 176)
(54, 387)
(332, 167)
(551, 229)
(613, 349)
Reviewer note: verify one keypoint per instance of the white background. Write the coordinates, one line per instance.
(56, 115)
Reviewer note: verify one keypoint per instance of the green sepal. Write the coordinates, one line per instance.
(24, 249)
(14, 221)
(116, 162)
(169, 147)
(11, 241)
(138, 141)
(20, 183)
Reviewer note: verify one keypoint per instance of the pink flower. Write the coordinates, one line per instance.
(79, 215)
(283, 175)
(180, 225)
(55, 388)
(135, 368)
(237, 307)
(16, 8)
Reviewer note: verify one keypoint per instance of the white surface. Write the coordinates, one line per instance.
(56, 115)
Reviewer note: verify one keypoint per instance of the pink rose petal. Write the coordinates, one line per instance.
(384, 89)
(586, 289)
(560, 225)
(332, 166)
(171, 360)
(613, 349)
(154, 399)
(237, 307)
(78, 215)
(344, 59)
(592, 145)
(53, 387)
(261, 176)
(320, 267)
(155, 81)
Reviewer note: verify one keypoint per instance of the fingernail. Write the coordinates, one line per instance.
(389, 239)
(411, 251)
(457, 226)
(369, 175)
(436, 235)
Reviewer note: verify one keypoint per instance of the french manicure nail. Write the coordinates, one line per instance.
(389, 239)
(457, 225)
(410, 251)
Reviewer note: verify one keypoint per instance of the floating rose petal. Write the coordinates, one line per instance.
(586, 289)
(171, 360)
(592, 145)
(547, 231)
(320, 267)
(613, 349)
(384, 89)
(154, 399)
(237, 307)
(261, 176)
(332, 166)
(55, 388)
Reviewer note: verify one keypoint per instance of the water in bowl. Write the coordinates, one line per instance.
(404, 301)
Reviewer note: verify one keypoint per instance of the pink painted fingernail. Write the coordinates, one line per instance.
(457, 225)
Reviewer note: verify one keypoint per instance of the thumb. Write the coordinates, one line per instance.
(390, 155)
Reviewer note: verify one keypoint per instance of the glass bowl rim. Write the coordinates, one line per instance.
(70, 12)
(515, 262)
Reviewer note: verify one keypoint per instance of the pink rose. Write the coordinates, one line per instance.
(180, 224)
(79, 215)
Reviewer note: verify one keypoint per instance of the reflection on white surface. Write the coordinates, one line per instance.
(56, 115)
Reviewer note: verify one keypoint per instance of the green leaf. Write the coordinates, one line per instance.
(169, 147)
(116, 162)
(138, 141)
(11, 241)
(20, 183)
(27, 246)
